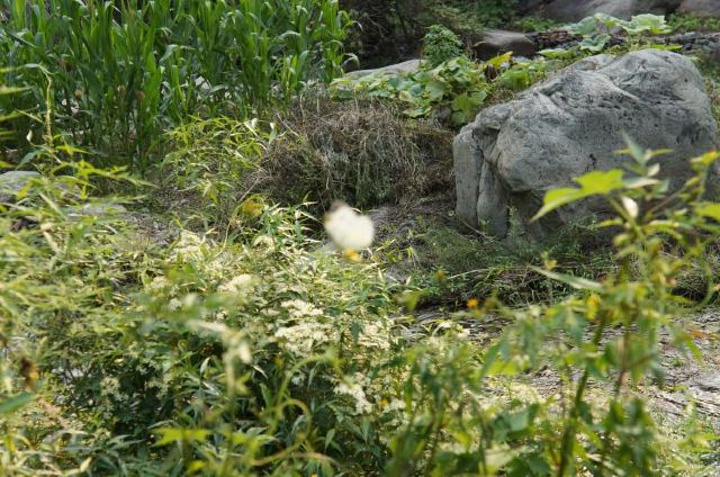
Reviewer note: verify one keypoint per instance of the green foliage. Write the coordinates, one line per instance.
(457, 87)
(534, 24)
(209, 167)
(488, 13)
(256, 351)
(688, 22)
(122, 72)
(441, 44)
(596, 29)
(130, 346)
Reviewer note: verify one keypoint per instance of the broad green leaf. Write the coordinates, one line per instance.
(595, 44)
(578, 283)
(170, 435)
(646, 23)
(710, 210)
(14, 403)
(436, 90)
(585, 27)
(556, 198)
(499, 61)
(601, 182)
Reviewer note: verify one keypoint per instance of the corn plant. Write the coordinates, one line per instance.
(124, 71)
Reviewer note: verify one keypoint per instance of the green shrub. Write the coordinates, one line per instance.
(209, 167)
(255, 351)
(441, 44)
(688, 22)
(595, 30)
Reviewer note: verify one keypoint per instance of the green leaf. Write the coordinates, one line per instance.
(585, 27)
(14, 403)
(555, 199)
(601, 182)
(420, 112)
(499, 61)
(170, 435)
(559, 53)
(646, 23)
(595, 44)
(710, 210)
(577, 283)
(435, 90)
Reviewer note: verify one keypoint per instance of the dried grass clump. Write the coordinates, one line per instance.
(360, 152)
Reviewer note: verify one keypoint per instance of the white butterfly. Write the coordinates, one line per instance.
(348, 230)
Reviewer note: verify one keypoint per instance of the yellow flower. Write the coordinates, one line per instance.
(473, 303)
(593, 303)
(352, 255)
(251, 208)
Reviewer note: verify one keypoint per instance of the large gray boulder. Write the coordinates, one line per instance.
(701, 7)
(571, 124)
(574, 10)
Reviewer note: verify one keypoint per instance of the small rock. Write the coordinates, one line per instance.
(709, 383)
(12, 182)
(410, 66)
(96, 209)
(497, 42)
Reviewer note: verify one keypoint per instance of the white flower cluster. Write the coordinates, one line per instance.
(189, 247)
(301, 309)
(159, 283)
(356, 391)
(375, 336)
(300, 339)
(238, 284)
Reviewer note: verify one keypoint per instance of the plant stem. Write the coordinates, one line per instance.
(571, 429)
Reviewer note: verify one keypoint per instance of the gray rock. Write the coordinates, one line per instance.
(701, 7)
(709, 382)
(96, 209)
(574, 10)
(497, 42)
(571, 124)
(410, 66)
(12, 182)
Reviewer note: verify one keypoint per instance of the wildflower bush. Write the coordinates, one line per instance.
(257, 350)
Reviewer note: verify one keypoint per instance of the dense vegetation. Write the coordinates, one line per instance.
(168, 305)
